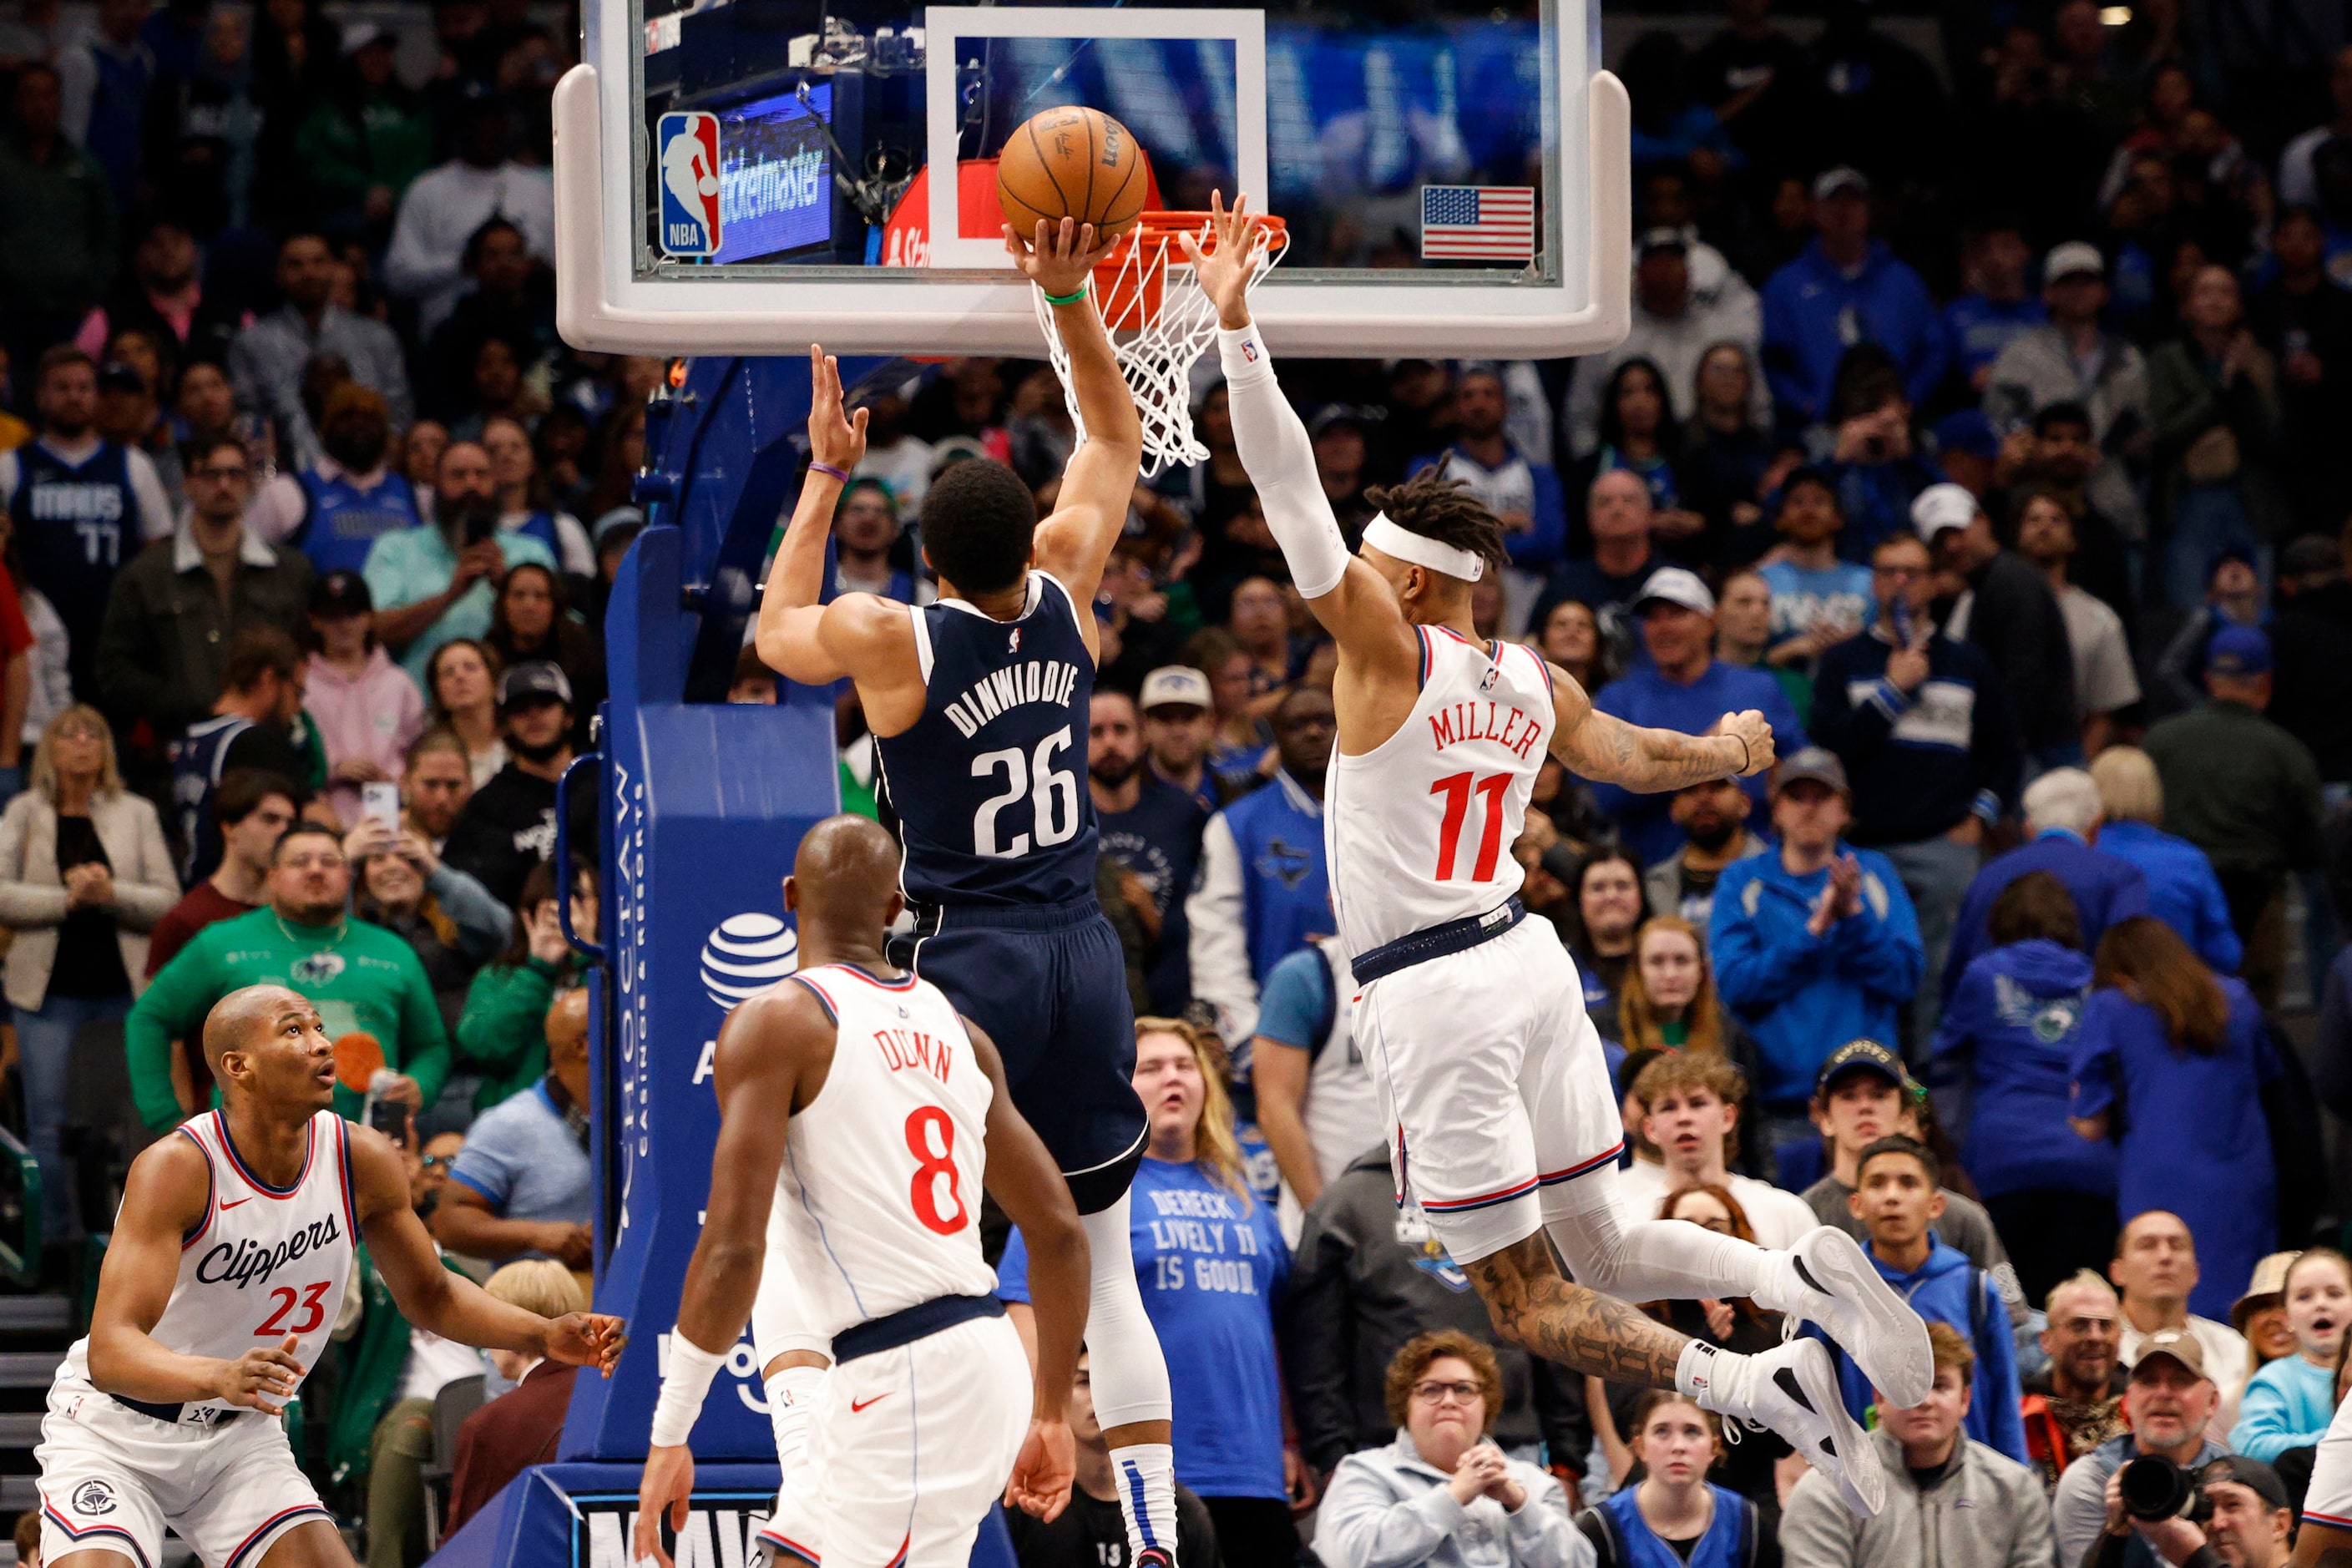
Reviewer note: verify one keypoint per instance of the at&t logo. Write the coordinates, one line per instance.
(745, 955)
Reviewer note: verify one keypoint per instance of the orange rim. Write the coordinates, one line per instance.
(1129, 301)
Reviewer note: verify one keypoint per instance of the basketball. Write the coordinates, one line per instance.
(1071, 162)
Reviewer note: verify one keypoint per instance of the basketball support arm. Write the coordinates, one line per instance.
(1279, 458)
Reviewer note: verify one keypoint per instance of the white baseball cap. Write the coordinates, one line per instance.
(1172, 685)
(1673, 585)
(2072, 260)
(1942, 507)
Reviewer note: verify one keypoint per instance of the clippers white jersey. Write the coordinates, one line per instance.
(1419, 830)
(263, 1263)
(881, 1185)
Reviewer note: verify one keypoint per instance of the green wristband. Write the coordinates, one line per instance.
(1068, 298)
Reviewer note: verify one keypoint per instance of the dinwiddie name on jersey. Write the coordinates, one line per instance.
(1508, 726)
(247, 1262)
(1047, 680)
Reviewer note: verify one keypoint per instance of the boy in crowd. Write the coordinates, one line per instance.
(1899, 1199)
(1949, 1499)
(1690, 1107)
(1864, 1093)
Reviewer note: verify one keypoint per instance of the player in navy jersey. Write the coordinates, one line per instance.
(979, 706)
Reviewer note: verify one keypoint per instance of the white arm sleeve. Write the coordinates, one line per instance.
(1274, 449)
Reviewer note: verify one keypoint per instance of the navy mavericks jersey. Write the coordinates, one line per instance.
(989, 785)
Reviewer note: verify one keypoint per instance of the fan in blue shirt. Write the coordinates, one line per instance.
(1683, 686)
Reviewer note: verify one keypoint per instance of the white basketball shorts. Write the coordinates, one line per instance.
(906, 1450)
(112, 1479)
(1493, 1085)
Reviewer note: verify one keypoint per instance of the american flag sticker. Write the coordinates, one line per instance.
(1478, 223)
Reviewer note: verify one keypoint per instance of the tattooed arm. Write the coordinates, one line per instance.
(1605, 749)
(1536, 1309)
(2318, 1545)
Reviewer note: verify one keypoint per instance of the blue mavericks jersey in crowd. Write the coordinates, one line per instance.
(342, 522)
(989, 785)
(76, 524)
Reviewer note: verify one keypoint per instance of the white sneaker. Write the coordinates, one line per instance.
(1793, 1390)
(1835, 1286)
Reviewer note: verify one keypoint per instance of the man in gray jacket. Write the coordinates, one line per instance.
(2075, 359)
(1951, 1502)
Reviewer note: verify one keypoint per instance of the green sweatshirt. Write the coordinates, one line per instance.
(502, 1032)
(359, 976)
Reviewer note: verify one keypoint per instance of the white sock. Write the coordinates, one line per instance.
(1703, 1374)
(1145, 1474)
(791, 1398)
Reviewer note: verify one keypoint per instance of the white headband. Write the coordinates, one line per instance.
(1390, 539)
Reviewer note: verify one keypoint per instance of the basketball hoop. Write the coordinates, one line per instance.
(1159, 324)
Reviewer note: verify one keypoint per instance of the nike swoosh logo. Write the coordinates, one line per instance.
(227, 1206)
(857, 1405)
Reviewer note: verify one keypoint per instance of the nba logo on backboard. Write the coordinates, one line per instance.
(688, 153)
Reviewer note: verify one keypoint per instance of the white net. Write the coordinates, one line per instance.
(1159, 324)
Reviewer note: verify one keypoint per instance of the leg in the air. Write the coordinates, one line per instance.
(1793, 1390)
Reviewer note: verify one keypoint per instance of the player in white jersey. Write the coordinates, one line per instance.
(228, 1261)
(1504, 1125)
(2324, 1538)
(853, 1098)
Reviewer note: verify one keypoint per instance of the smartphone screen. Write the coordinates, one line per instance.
(382, 802)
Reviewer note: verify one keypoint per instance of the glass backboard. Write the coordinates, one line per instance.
(746, 175)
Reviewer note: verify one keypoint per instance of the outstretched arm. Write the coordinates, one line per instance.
(1605, 749)
(442, 1302)
(1073, 543)
(1347, 595)
(798, 637)
(1023, 1181)
(763, 1056)
(165, 1196)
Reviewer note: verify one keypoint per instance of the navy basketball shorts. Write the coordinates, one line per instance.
(1048, 983)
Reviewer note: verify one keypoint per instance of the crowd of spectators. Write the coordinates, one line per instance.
(1979, 424)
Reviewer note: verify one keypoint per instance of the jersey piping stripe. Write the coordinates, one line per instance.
(1423, 633)
(309, 1152)
(794, 1547)
(922, 641)
(832, 1013)
(283, 1516)
(822, 1239)
(1463, 1205)
(903, 982)
(1543, 667)
(113, 1530)
(2313, 1516)
(1584, 1166)
(188, 1238)
(900, 1559)
(350, 1205)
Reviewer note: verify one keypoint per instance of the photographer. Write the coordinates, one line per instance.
(2234, 1514)
(2170, 1399)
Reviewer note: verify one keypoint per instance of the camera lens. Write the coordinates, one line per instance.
(2154, 1488)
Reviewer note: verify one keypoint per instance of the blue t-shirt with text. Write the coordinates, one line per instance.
(1211, 1265)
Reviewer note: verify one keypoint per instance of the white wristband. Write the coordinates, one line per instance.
(684, 1385)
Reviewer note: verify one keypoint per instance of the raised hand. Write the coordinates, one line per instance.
(1058, 258)
(1224, 272)
(1755, 731)
(836, 439)
(258, 1378)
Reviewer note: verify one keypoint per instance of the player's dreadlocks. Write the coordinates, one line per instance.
(1439, 508)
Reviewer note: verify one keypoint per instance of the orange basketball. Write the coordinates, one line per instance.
(1071, 162)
